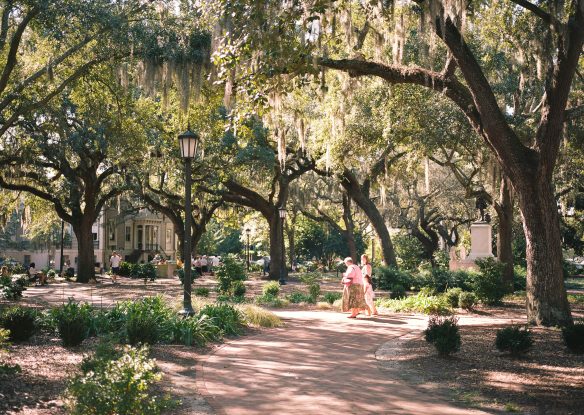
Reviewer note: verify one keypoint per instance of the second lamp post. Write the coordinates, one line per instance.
(189, 142)
(282, 280)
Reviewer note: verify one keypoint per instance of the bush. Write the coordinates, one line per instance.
(145, 271)
(314, 291)
(487, 285)
(443, 333)
(269, 301)
(126, 269)
(202, 291)
(148, 320)
(467, 300)
(574, 337)
(199, 330)
(397, 291)
(386, 277)
(442, 279)
(181, 275)
(121, 386)
(452, 296)
(51, 273)
(420, 303)
(73, 322)
(271, 288)
(226, 317)
(519, 278)
(332, 297)
(20, 321)
(237, 289)
(299, 297)
(230, 270)
(259, 317)
(514, 340)
(12, 290)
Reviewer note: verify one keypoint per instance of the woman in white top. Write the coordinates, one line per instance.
(368, 286)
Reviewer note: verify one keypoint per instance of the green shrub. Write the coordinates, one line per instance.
(443, 333)
(148, 320)
(397, 291)
(202, 291)
(51, 273)
(574, 337)
(126, 269)
(298, 297)
(271, 288)
(514, 340)
(121, 386)
(105, 352)
(386, 277)
(198, 330)
(519, 278)
(487, 285)
(269, 301)
(230, 270)
(442, 279)
(467, 300)
(73, 322)
(226, 317)
(12, 290)
(237, 289)
(420, 303)
(452, 296)
(332, 297)
(20, 321)
(181, 275)
(314, 291)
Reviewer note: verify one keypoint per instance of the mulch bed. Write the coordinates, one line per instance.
(548, 380)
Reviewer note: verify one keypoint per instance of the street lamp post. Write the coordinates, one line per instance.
(247, 251)
(62, 242)
(282, 213)
(188, 142)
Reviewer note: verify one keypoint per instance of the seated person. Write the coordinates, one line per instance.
(36, 276)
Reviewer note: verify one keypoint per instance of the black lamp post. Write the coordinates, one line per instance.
(188, 142)
(62, 242)
(282, 280)
(247, 251)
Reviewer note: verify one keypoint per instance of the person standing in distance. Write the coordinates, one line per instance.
(115, 260)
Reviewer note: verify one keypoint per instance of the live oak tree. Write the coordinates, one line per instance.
(45, 45)
(543, 40)
(260, 180)
(72, 154)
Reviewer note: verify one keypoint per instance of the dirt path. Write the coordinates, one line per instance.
(320, 363)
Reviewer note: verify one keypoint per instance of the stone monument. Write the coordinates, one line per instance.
(481, 239)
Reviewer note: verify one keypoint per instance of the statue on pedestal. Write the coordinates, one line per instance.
(481, 205)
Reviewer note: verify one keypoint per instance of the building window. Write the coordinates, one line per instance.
(95, 236)
(128, 233)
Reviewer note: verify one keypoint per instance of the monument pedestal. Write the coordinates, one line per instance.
(481, 239)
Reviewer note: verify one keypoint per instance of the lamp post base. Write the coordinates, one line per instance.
(282, 281)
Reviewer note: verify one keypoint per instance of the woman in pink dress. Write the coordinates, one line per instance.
(353, 294)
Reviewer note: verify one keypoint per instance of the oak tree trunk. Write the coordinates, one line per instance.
(504, 210)
(85, 259)
(547, 302)
(278, 268)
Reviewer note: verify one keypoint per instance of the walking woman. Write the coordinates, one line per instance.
(353, 294)
(368, 286)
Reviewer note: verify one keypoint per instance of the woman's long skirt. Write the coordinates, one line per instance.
(353, 297)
